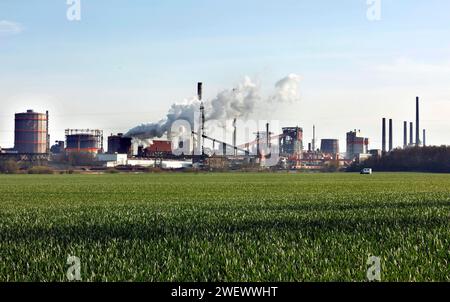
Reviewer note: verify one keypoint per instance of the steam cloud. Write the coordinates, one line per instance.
(240, 103)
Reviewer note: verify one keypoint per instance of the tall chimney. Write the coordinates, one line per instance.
(383, 136)
(234, 137)
(202, 133)
(417, 122)
(424, 137)
(314, 138)
(411, 133)
(405, 134)
(267, 135)
(391, 142)
(258, 141)
(200, 91)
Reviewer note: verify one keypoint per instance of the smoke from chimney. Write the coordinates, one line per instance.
(240, 102)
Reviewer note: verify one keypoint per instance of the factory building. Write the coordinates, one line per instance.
(120, 144)
(357, 146)
(112, 160)
(291, 141)
(291, 146)
(31, 133)
(329, 146)
(158, 148)
(85, 141)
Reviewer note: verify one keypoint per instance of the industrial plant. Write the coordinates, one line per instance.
(285, 150)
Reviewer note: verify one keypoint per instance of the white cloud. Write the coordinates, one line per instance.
(10, 28)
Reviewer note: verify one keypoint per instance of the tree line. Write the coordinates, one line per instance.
(434, 159)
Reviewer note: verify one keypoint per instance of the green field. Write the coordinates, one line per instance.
(225, 227)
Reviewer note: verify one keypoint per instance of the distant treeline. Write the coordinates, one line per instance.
(423, 159)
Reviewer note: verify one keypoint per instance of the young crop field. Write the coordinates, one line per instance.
(225, 227)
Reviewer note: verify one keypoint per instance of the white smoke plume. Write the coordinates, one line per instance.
(287, 89)
(179, 111)
(240, 103)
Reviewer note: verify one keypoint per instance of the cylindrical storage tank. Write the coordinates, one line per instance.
(82, 143)
(330, 146)
(119, 144)
(31, 133)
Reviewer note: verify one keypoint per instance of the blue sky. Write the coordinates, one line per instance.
(125, 62)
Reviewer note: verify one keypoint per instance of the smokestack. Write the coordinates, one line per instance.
(383, 138)
(202, 133)
(417, 122)
(234, 136)
(411, 138)
(391, 142)
(405, 134)
(224, 148)
(268, 135)
(424, 137)
(314, 138)
(258, 140)
(309, 147)
(200, 91)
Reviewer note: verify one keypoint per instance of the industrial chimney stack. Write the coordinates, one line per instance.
(405, 135)
(383, 138)
(417, 122)
(201, 131)
(235, 136)
(411, 129)
(200, 91)
(391, 142)
(314, 139)
(424, 137)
